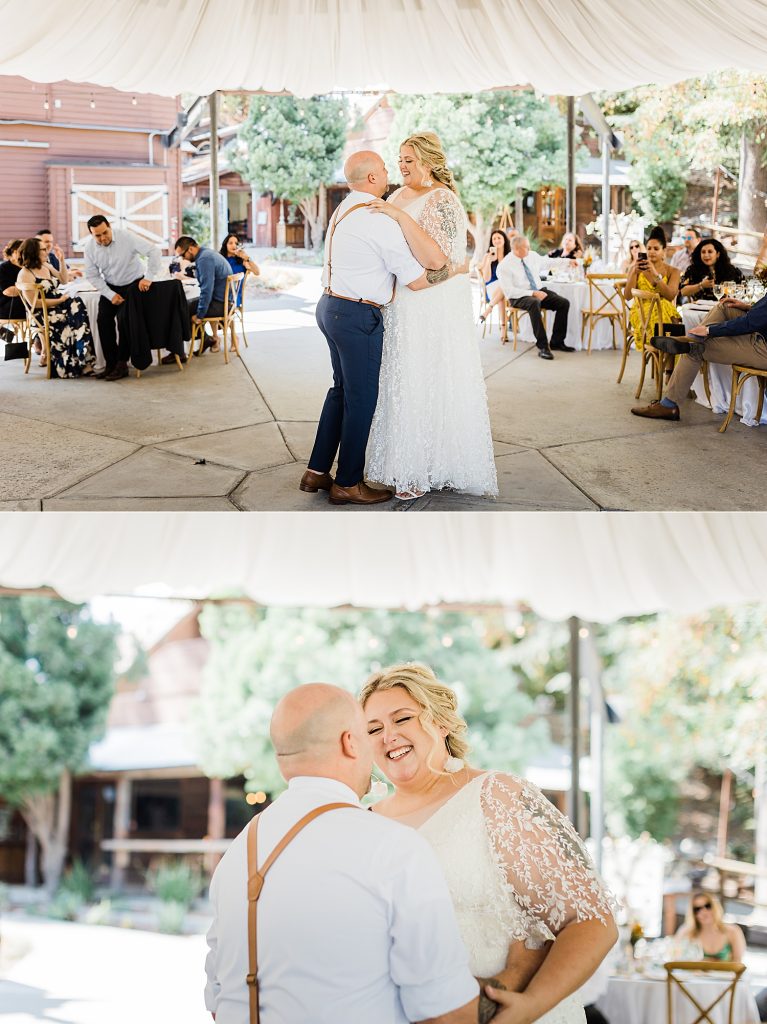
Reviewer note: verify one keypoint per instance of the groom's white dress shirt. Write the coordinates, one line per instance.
(355, 922)
(512, 278)
(369, 252)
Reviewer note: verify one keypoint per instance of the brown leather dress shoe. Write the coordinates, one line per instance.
(120, 371)
(359, 494)
(313, 482)
(656, 411)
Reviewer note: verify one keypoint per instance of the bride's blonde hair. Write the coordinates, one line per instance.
(439, 703)
(428, 149)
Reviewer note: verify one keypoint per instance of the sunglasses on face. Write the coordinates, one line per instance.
(701, 906)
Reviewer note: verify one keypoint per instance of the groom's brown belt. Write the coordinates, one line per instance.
(365, 302)
(255, 884)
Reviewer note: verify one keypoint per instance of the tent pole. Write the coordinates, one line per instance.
(214, 225)
(597, 751)
(605, 200)
(570, 193)
(574, 801)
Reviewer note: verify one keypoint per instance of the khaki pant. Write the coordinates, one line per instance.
(740, 349)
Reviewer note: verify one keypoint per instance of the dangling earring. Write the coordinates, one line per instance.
(378, 789)
(427, 182)
(452, 764)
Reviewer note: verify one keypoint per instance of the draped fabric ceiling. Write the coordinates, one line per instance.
(567, 47)
(597, 566)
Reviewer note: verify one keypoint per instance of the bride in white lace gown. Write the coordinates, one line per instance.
(431, 428)
(532, 911)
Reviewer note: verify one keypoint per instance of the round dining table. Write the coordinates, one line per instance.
(577, 294)
(642, 999)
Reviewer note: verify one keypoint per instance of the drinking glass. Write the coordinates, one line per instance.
(718, 290)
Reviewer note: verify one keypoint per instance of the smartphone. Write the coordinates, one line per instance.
(491, 250)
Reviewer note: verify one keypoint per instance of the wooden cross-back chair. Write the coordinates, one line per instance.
(605, 303)
(38, 326)
(740, 374)
(225, 322)
(675, 984)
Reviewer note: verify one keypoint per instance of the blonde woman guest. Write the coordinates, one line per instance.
(570, 248)
(71, 340)
(649, 272)
(533, 913)
(704, 925)
(635, 248)
(431, 429)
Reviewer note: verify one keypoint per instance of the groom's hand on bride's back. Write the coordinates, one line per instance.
(463, 1015)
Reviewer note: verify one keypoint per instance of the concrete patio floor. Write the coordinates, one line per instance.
(219, 437)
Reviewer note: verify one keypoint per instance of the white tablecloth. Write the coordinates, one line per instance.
(720, 381)
(577, 293)
(642, 1000)
(90, 298)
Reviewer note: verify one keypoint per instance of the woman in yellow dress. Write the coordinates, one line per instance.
(650, 272)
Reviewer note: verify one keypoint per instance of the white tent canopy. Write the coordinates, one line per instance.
(599, 567)
(566, 47)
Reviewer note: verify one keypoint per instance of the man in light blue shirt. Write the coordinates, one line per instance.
(113, 266)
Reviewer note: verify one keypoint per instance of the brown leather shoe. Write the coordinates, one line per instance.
(656, 411)
(313, 482)
(359, 494)
(120, 371)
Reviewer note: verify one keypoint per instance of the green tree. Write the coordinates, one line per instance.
(496, 142)
(56, 682)
(292, 148)
(258, 654)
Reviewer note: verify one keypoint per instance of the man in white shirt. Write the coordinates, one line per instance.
(682, 257)
(365, 255)
(519, 275)
(113, 266)
(354, 921)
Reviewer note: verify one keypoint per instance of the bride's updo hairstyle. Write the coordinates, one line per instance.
(439, 703)
(428, 149)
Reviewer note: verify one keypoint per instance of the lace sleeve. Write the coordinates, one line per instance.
(441, 219)
(543, 864)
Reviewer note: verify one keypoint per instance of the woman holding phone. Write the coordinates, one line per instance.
(649, 272)
(499, 248)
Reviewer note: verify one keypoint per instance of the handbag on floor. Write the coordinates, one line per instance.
(16, 350)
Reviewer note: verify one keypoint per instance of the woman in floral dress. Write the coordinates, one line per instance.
(72, 350)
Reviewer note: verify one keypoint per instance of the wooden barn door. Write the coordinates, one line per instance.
(142, 209)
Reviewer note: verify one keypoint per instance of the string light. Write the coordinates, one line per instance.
(134, 101)
(92, 103)
(46, 105)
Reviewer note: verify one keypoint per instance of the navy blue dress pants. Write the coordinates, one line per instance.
(354, 333)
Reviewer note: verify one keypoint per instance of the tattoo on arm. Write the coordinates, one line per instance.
(487, 1009)
(437, 276)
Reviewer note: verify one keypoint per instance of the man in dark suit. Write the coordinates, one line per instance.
(735, 333)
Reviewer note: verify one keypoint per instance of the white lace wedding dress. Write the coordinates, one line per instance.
(516, 870)
(431, 428)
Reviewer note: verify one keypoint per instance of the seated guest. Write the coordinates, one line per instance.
(649, 272)
(212, 272)
(11, 306)
(113, 266)
(709, 263)
(734, 333)
(681, 258)
(71, 340)
(519, 278)
(238, 260)
(570, 248)
(54, 254)
(704, 925)
(635, 248)
(499, 249)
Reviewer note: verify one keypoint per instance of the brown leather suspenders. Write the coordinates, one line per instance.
(335, 221)
(255, 884)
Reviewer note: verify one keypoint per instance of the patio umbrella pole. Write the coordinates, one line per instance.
(574, 799)
(605, 200)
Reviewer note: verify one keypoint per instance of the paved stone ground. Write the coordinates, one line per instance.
(563, 433)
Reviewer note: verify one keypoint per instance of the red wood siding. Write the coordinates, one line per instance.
(36, 182)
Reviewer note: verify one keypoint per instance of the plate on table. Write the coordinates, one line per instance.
(702, 306)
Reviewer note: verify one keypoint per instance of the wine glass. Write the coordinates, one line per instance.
(718, 290)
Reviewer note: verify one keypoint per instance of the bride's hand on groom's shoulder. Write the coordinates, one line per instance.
(379, 206)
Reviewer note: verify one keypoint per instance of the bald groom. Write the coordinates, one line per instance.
(355, 921)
